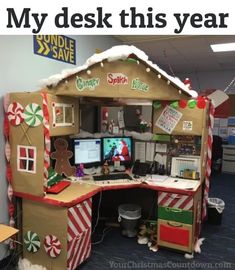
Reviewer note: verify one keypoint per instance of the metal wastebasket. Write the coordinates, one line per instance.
(129, 215)
(215, 211)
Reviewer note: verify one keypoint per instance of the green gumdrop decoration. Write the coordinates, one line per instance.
(192, 103)
(157, 105)
(131, 60)
(174, 104)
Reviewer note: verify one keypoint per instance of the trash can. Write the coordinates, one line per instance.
(129, 215)
(215, 211)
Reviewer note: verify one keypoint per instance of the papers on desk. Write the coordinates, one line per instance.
(156, 178)
(182, 183)
(171, 182)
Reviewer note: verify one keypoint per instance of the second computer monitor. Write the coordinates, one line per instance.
(117, 149)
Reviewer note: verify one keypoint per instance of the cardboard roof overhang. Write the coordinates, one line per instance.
(127, 60)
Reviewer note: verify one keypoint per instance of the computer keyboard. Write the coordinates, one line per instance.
(112, 176)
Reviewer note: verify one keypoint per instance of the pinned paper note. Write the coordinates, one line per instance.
(187, 125)
(161, 159)
(161, 147)
(168, 119)
(150, 151)
(121, 122)
(140, 151)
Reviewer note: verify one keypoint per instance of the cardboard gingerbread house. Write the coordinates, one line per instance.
(57, 228)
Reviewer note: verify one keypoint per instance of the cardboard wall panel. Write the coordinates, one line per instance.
(195, 116)
(44, 219)
(28, 136)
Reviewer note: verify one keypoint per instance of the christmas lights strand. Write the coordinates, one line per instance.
(229, 85)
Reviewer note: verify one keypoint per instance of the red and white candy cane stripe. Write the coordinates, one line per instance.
(208, 161)
(79, 234)
(47, 141)
(14, 114)
(173, 200)
(52, 246)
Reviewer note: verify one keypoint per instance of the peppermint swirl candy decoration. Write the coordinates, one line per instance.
(33, 115)
(15, 113)
(32, 241)
(52, 246)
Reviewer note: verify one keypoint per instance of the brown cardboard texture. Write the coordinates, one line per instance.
(137, 83)
(61, 120)
(45, 219)
(23, 181)
(195, 116)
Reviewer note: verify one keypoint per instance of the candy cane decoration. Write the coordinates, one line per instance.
(47, 140)
(208, 161)
(52, 246)
(13, 114)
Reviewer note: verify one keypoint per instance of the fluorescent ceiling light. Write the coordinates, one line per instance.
(223, 47)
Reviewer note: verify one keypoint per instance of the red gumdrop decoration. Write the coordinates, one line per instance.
(183, 103)
(11, 209)
(165, 103)
(9, 173)
(6, 126)
(201, 103)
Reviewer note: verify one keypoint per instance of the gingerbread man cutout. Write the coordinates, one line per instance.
(62, 156)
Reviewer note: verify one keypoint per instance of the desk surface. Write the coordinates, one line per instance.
(6, 232)
(82, 190)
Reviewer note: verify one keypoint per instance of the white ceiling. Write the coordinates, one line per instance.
(180, 54)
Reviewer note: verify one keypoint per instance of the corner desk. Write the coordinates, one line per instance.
(68, 216)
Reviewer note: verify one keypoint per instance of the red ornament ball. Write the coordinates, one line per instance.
(183, 103)
(201, 103)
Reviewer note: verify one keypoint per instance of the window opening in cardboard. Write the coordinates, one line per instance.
(63, 114)
(26, 158)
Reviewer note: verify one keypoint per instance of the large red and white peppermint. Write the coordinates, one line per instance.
(52, 246)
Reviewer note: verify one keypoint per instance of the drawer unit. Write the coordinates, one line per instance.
(228, 166)
(228, 163)
(228, 150)
(228, 157)
(175, 214)
(175, 235)
(174, 200)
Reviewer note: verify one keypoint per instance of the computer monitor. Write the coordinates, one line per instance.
(117, 149)
(87, 151)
